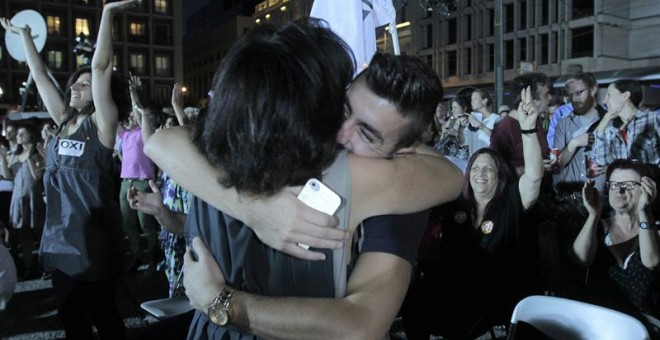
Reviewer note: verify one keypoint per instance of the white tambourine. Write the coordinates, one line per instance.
(38, 30)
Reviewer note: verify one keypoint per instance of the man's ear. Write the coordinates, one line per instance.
(625, 95)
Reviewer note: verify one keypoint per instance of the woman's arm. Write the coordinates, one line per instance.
(586, 243)
(529, 184)
(106, 111)
(177, 105)
(152, 203)
(36, 165)
(649, 240)
(281, 221)
(4, 163)
(51, 96)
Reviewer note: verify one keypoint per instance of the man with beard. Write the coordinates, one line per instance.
(574, 137)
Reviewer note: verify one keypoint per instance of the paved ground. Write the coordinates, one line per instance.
(31, 312)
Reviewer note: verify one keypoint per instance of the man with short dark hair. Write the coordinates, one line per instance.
(380, 276)
(506, 138)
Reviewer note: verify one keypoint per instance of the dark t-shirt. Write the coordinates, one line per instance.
(496, 264)
(395, 234)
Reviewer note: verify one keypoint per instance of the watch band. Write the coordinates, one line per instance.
(218, 311)
(225, 297)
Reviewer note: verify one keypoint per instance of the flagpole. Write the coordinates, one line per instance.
(393, 30)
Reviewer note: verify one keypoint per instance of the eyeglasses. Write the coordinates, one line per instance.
(628, 185)
(577, 93)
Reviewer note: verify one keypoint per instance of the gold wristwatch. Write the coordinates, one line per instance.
(219, 310)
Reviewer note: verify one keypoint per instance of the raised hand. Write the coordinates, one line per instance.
(526, 114)
(134, 82)
(590, 198)
(9, 27)
(119, 5)
(177, 95)
(648, 196)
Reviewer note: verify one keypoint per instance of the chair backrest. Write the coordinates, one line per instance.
(165, 308)
(561, 318)
(7, 277)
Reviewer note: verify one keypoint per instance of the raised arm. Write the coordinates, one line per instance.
(586, 243)
(177, 105)
(530, 181)
(376, 289)
(106, 111)
(49, 93)
(281, 221)
(649, 240)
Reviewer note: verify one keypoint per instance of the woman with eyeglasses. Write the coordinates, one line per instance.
(624, 253)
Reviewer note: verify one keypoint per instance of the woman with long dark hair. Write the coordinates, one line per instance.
(82, 233)
(484, 255)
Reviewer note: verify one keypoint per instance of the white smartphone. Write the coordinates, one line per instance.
(318, 196)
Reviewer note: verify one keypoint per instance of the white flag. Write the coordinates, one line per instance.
(355, 21)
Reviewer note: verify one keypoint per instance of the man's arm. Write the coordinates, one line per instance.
(376, 289)
(402, 185)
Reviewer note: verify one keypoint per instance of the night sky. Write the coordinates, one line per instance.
(190, 6)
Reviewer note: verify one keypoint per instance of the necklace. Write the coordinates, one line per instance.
(627, 260)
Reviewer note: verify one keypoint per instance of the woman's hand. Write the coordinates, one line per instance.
(649, 192)
(177, 95)
(119, 5)
(590, 198)
(473, 120)
(9, 27)
(134, 82)
(526, 114)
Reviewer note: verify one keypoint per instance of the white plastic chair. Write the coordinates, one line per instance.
(561, 318)
(165, 308)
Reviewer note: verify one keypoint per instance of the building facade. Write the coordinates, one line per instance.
(147, 42)
(557, 37)
(611, 38)
(210, 33)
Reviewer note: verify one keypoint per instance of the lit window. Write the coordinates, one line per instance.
(55, 59)
(137, 28)
(162, 65)
(82, 26)
(54, 25)
(160, 6)
(137, 63)
(81, 60)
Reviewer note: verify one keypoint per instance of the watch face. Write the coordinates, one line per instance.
(218, 316)
(643, 225)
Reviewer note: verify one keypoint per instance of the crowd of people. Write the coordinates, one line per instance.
(448, 217)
